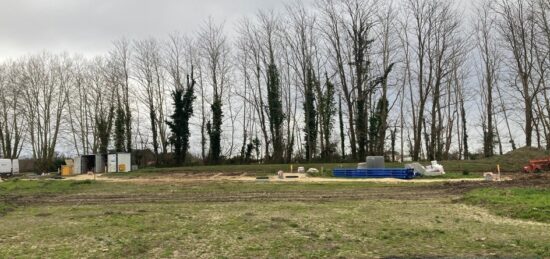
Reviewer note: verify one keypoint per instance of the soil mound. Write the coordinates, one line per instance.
(514, 161)
(526, 153)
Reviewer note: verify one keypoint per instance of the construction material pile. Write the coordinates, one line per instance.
(397, 173)
(435, 169)
(374, 168)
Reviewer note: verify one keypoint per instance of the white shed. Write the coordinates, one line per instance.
(119, 163)
(9, 166)
(89, 163)
(15, 166)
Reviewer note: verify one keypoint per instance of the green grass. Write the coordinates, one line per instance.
(513, 161)
(27, 187)
(522, 203)
(433, 226)
(5, 208)
(347, 229)
(453, 175)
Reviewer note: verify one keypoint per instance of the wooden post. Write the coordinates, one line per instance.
(291, 169)
(498, 170)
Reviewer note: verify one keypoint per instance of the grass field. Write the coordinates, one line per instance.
(452, 168)
(522, 203)
(511, 162)
(95, 219)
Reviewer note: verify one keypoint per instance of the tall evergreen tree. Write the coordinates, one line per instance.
(464, 130)
(342, 134)
(104, 124)
(376, 126)
(276, 115)
(183, 110)
(327, 110)
(214, 129)
(310, 115)
(393, 137)
(120, 129)
(154, 131)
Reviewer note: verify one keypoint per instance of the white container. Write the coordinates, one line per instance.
(5, 166)
(100, 164)
(77, 162)
(15, 166)
(9, 166)
(89, 163)
(115, 162)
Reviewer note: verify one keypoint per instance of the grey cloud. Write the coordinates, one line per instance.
(89, 27)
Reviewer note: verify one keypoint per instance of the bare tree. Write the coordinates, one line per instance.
(45, 80)
(215, 54)
(103, 94)
(121, 55)
(243, 64)
(80, 110)
(388, 48)
(434, 39)
(303, 44)
(334, 32)
(270, 33)
(359, 27)
(180, 60)
(253, 42)
(147, 65)
(517, 28)
(542, 50)
(488, 49)
(12, 126)
(443, 58)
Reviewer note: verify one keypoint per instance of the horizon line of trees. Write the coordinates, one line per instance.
(337, 80)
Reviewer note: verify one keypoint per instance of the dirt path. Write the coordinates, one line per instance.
(179, 178)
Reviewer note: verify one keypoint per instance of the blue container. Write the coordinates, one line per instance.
(398, 173)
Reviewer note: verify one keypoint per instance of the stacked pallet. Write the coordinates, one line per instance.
(398, 173)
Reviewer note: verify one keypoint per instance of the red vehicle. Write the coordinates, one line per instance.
(537, 166)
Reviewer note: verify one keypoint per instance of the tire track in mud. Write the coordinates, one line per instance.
(409, 193)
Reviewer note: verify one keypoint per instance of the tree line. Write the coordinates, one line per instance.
(335, 80)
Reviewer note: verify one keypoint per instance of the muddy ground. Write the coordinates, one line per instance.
(513, 180)
(451, 190)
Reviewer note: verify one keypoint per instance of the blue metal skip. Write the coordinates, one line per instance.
(399, 173)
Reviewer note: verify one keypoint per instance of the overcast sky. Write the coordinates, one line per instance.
(90, 26)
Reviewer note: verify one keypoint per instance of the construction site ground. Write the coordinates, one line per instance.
(224, 214)
(244, 177)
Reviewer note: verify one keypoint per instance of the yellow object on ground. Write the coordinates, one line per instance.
(66, 170)
(122, 168)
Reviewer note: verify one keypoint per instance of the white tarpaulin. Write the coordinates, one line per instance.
(435, 169)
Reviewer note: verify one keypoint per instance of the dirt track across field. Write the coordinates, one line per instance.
(397, 193)
(190, 178)
(449, 189)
